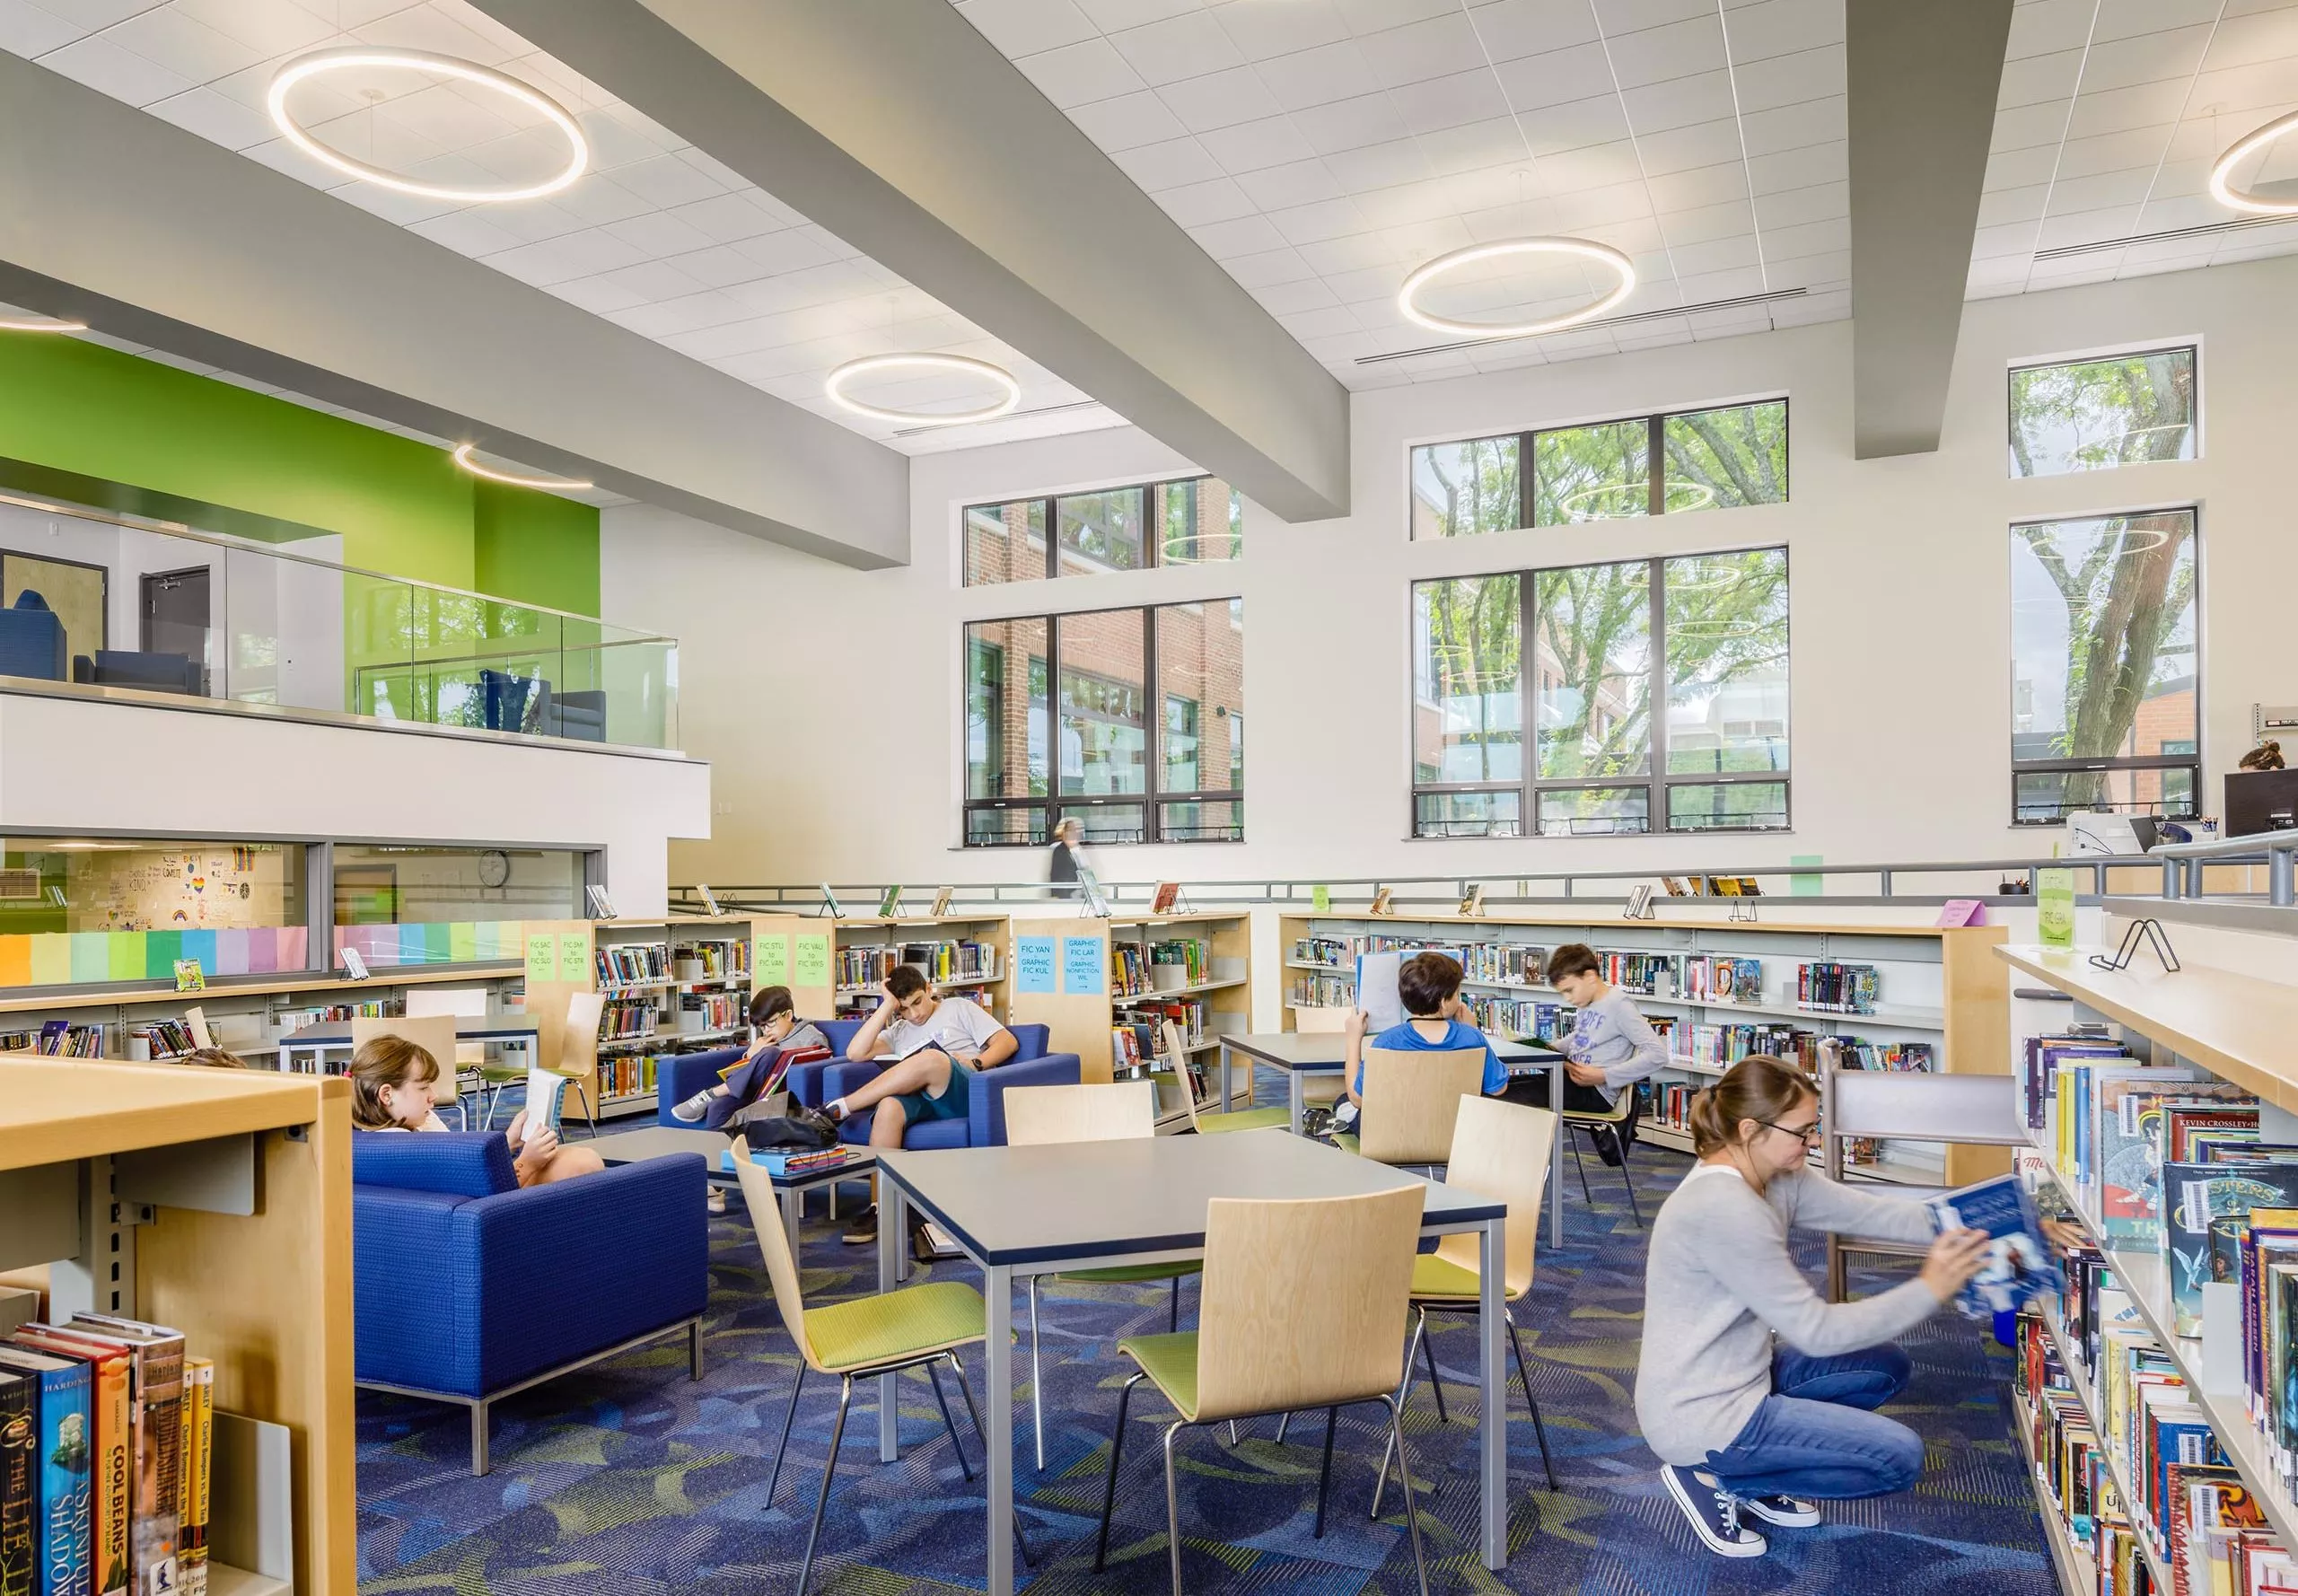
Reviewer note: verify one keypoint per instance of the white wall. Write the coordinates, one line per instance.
(828, 699)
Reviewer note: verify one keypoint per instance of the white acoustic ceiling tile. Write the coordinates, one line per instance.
(2117, 110)
(2085, 227)
(1598, 166)
(1700, 185)
(403, 209)
(1190, 44)
(721, 266)
(189, 48)
(1317, 76)
(1439, 104)
(1734, 282)
(1633, 236)
(727, 218)
(213, 118)
(1673, 50)
(25, 30)
(1473, 146)
(1800, 168)
(724, 339)
(1080, 73)
(1114, 16)
(1267, 270)
(1682, 149)
(2071, 272)
(1629, 16)
(1375, 16)
(1574, 213)
(1247, 235)
(1297, 182)
(1261, 31)
(1195, 205)
(280, 156)
(1685, 102)
(1167, 164)
(598, 200)
(657, 282)
(2044, 26)
(91, 16)
(1313, 223)
(1252, 146)
(585, 254)
(1814, 309)
(1218, 99)
(431, 28)
(1813, 122)
(1999, 273)
(1556, 77)
(2180, 210)
(711, 167)
(1771, 28)
(2179, 252)
(2012, 237)
(2127, 18)
(1707, 222)
(1350, 124)
(1803, 271)
(666, 180)
(1378, 284)
(2147, 58)
(1808, 238)
(1653, 334)
(2125, 188)
(1437, 48)
(121, 74)
(269, 27)
(1361, 252)
(1822, 201)
(1286, 299)
(2181, 180)
(620, 140)
(473, 233)
(661, 235)
(1378, 166)
(1333, 322)
(2040, 80)
(1412, 204)
(1026, 27)
(1575, 125)
(1998, 206)
(1126, 121)
(2134, 264)
(2020, 169)
(1514, 28)
(2261, 36)
(2023, 126)
(2112, 152)
(1789, 80)
(791, 249)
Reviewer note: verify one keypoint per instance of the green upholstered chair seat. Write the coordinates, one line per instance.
(1245, 1119)
(1346, 1141)
(1171, 1363)
(1135, 1274)
(1436, 1278)
(880, 1329)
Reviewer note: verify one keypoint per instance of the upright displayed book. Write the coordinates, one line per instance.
(111, 1442)
(2018, 1263)
(155, 1356)
(63, 1516)
(19, 1488)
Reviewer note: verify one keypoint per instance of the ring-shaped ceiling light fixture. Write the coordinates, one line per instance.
(354, 57)
(39, 324)
(835, 386)
(2221, 188)
(547, 483)
(1603, 255)
(1697, 496)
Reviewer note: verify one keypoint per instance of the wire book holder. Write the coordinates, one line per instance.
(2138, 931)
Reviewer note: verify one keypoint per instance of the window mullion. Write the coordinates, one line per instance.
(1657, 792)
(1528, 748)
(1655, 470)
(1153, 711)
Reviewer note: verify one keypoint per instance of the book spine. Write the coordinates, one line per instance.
(157, 1414)
(66, 1503)
(18, 1445)
(198, 1454)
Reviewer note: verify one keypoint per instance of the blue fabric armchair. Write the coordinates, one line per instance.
(985, 1122)
(678, 1077)
(32, 639)
(463, 1287)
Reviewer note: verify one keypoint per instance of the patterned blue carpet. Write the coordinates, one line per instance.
(628, 1479)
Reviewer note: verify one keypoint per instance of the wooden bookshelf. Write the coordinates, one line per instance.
(990, 978)
(246, 1250)
(1939, 986)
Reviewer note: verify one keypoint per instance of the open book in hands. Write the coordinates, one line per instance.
(2018, 1263)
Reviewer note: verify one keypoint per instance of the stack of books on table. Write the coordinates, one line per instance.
(793, 1161)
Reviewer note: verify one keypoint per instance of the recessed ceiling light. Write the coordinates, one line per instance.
(39, 324)
(547, 483)
(835, 386)
(1584, 249)
(352, 57)
(2221, 188)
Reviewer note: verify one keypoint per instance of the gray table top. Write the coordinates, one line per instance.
(495, 1025)
(1102, 1199)
(661, 1140)
(1311, 1050)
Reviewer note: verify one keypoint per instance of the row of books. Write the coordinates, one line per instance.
(61, 1039)
(1305, 991)
(162, 1039)
(1505, 963)
(335, 1014)
(626, 1075)
(711, 1011)
(1541, 1018)
(1720, 1046)
(1668, 1104)
(946, 960)
(1834, 989)
(1719, 979)
(626, 1017)
(1187, 961)
(633, 964)
(107, 1446)
(716, 960)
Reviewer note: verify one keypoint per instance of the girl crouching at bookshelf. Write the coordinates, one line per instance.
(390, 1089)
(1759, 1396)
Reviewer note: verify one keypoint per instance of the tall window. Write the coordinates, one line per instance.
(1194, 521)
(1656, 692)
(1650, 465)
(2105, 695)
(2094, 414)
(1142, 739)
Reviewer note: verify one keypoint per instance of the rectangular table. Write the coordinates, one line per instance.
(1022, 1211)
(660, 1141)
(1300, 1053)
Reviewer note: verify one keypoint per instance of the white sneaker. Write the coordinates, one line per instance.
(1715, 1515)
(717, 1200)
(694, 1107)
(1790, 1513)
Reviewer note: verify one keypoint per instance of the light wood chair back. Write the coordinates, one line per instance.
(1303, 1300)
(578, 1038)
(1413, 1099)
(1120, 1112)
(469, 1003)
(433, 1033)
(774, 1241)
(1501, 1150)
(1320, 1021)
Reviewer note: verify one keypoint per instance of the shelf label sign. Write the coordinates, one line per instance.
(1033, 964)
(1083, 965)
(2055, 906)
(813, 959)
(574, 957)
(1320, 900)
(770, 960)
(543, 958)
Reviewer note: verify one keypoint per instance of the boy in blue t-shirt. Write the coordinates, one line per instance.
(1428, 985)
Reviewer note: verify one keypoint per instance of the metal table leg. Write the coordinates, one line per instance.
(1556, 1158)
(892, 1240)
(997, 1357)
(1492, 1389)
(1225, 1098)
(1295, 1099)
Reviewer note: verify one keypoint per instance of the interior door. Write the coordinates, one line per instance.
(175, 615)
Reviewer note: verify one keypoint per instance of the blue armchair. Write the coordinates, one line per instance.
(32, 639)
(466, 1288)
(678, 1077)
(985, 1122)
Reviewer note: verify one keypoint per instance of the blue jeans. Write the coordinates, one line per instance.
(1817, 1434)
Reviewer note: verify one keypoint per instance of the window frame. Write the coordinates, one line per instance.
(1655, 456)
(1153, 538)
(1658, 781)
(1153, 799)
(2191, 762)
(2012, 369)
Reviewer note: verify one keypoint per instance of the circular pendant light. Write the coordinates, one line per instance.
(2221, 188)
(354, 58)
(39, 324)
(835, 384)
(464, 458)
(1582, 249)
(1695, 495)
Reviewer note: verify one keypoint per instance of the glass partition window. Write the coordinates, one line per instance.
(2105, 690)
(79, 910)
(1716, 459)
(1146, 712)
(1189, 521)
(1704, 635)
(2094, 414)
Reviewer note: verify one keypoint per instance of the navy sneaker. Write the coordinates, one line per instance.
(1715, 1515)
(1790, 1513)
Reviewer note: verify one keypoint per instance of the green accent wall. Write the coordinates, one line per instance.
(135, 434)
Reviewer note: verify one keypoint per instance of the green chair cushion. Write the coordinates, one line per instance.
(1245, 1119)
(1347, 1142)
(1133, 1273)
(506, 1074)
(880, 1329)
(1440, 1279)
(1171, 1363)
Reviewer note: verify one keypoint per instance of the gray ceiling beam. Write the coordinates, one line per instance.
(1924, 76)
(112, 216)
(899, 128)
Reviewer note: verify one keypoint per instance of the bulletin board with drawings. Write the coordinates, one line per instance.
(214, 886)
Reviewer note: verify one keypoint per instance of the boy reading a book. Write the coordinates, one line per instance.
(782, 1038)
(1428, 987)
(936, 1043)
(1611, 1049)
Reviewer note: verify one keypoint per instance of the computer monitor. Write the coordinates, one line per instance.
(2261, 800)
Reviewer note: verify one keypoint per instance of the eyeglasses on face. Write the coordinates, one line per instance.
(1801, 1132)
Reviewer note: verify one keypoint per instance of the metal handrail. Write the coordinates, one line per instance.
(2183, 863)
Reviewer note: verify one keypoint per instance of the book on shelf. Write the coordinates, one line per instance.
(2018, 1263)
(60, 1486)
(193, 1497)
(110, 1445)
(632, 964)
(1837, 988)
(20, 1482)
(153, 1457)
(711, 959)
(951, 960)
(1306, 991)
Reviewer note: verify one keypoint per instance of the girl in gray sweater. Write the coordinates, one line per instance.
(1756, 1393)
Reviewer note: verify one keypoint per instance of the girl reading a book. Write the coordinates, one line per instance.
(1757, 1394)
(782, 1039)
(390, 1089)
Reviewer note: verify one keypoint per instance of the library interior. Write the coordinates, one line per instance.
(654, 594)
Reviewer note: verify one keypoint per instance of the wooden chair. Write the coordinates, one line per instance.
(1038, 1115)
(578, 1050)
(1301, 1307)
(1500, 1149)
(1322, 1092)
(1169, 1044)
(916, 1327)
(1913, 1105)
(435, 1035)
(1412, 1101)
(1613, 1124)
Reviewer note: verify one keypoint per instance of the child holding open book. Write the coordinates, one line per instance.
(390, 1089)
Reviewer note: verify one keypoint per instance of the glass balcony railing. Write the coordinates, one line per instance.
(100, 602)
